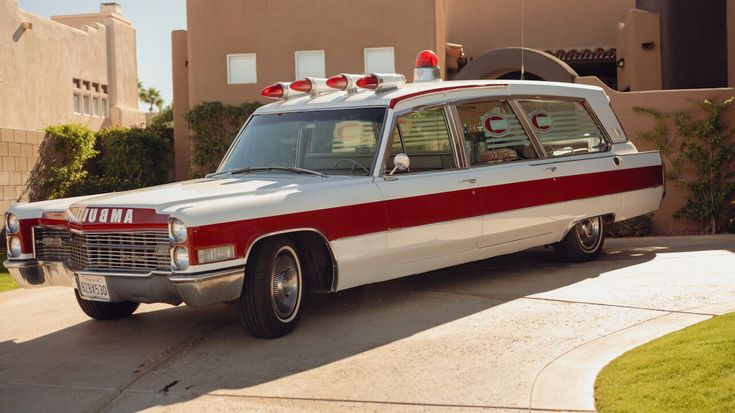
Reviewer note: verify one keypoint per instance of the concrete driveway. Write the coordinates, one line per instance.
(507, 334)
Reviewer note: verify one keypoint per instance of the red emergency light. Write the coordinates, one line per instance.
(368, 82)
(381, 81)
(274, 91)
(427, 67)
(427, 58)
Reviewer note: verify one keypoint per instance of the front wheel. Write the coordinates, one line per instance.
(583, 242)
(270, 303)
(105, 311)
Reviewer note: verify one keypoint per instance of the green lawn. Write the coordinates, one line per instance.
(6, 281)
(692, 370)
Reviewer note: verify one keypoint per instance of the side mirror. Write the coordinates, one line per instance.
(401, 162)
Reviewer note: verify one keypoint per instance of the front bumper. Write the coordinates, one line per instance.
(196, 290)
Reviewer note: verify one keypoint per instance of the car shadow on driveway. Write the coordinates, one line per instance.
(177, 354)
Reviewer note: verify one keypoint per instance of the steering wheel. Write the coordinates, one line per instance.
(355, 164)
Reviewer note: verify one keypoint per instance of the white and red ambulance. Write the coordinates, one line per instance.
(348, 181)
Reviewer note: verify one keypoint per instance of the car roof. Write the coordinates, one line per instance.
(403, 95)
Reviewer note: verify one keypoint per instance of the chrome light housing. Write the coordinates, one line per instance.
(12, 225)
(177, 230)
(14, 247)
(180, 258)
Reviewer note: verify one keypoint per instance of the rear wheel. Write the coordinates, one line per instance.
(584, 241)
(105, 311)
(270, 304)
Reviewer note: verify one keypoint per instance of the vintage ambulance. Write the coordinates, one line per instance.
(348, 181)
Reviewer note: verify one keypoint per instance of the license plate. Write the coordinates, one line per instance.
(93, 287)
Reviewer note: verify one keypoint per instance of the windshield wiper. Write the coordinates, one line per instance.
(267, 168)
(229, 171)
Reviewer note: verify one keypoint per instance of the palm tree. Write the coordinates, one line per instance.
(152, 97)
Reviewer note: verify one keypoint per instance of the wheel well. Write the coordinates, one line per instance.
(320, 268)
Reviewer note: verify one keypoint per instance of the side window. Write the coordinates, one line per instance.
(564, 127)
(423, 136)
(493, 133)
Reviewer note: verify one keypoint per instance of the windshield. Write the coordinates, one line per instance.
(333, 142)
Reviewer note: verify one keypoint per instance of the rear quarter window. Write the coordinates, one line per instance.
(563, 127)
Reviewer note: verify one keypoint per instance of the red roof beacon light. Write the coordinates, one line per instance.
(427, 67)
(381, 81)
(311, 85)
(344, 81)
(280, 91)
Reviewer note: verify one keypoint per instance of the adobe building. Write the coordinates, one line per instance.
(68, 69)
(652, 53)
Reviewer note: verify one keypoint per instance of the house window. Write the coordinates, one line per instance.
(77, 102)
(95, 106)
(85, 105)
(103, 107)
(77, 83)
(241, 68)
(86, 84)
(310, 64)
(96, 87)
(379, 60)
(104, 89)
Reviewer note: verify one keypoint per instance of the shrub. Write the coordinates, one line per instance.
(707, 151)
(62, 155)
(75, 161)
(214, 126)
(635, 227)
(136, 157)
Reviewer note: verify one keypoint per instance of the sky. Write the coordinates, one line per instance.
(153, 20)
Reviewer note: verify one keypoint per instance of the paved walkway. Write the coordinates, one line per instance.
(517, 333)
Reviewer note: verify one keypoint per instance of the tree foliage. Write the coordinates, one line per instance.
(214, 126)
(704, 162)
(74, 161)
(62, 156)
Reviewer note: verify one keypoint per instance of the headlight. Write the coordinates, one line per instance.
(11, 223)
(14, 247)
(177, 229)
(181, 258)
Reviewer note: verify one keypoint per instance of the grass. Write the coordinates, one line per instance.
(6, 281)
(692, 370)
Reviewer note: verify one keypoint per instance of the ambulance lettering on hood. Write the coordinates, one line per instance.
(84, 215)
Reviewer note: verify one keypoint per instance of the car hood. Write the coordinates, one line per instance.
(165, 198)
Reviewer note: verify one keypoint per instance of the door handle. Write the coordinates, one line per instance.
(551, 168)
(468, 180)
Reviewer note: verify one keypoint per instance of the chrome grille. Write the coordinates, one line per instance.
(128, 252)
(52, 244)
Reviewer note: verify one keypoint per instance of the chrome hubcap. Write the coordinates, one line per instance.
(285, 284)
(588, 233)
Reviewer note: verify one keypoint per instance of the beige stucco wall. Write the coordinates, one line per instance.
(484, 25)
(18, 155)
(39, 64)
(665, 101)
(275, 29)
(179, 63)
(642, 68)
